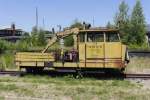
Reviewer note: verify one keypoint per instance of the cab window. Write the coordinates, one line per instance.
(99, 37)
(82, 37)
(90, 37)
(95, 37)
(112, 37)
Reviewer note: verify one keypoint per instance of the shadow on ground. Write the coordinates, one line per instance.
(97, 75)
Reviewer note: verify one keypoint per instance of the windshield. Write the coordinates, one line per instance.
(95, 37)
(112, 37)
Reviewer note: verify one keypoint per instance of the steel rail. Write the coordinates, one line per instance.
(137, 76)
(13, 73)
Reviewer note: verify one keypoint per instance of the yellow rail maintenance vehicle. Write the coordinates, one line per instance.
(94, 49)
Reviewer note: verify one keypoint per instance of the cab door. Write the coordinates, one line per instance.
(113, 50)
(95, 50)
(82, 50)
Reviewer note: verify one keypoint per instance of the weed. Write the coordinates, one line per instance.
(67, 87)
(7, 61)
(7, 87)
(2, 98)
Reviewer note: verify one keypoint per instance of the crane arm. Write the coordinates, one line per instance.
(60, 35)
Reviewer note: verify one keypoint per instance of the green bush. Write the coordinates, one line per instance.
(3, 46)
(22, 46)
(7, 61)
(37, 38)
(69, 41)
(144, 47)
(41, 39)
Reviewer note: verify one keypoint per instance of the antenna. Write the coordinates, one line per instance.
(37, 17)
(93, 21)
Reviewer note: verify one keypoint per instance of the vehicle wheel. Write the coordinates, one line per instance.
(122, 69)
(29, 70)
(79, 74)
(37, 70)
(40, 70)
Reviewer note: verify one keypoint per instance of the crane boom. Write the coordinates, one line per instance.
(61, 35)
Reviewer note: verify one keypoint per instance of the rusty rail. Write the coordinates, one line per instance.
(12, 73)
(137, 76)
(139, 53)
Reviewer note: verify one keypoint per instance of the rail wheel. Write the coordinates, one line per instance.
(34, 70)
(79, 74)
(29, 70)
(113, 72)
(38, 70)
(122, 70)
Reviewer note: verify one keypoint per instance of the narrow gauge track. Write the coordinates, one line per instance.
(139, 53)
(12, 73)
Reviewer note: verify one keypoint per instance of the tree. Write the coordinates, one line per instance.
(2, 46)
(109, 25)
(122, 19)
(34, 30)
(27, 38)
(34, 34)
(26, 34)
(138, 26)
(38, 37)
(41, 38)
(76, 24)
(69, 41)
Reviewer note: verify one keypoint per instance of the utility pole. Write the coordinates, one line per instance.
(37, 18)
(59, 26)
(43, 23)
(93, 21)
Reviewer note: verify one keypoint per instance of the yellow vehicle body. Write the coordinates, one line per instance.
(102, 55)
(31, 59)
(97, 49)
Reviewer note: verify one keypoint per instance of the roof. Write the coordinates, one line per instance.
(99, 30)
(10, 29)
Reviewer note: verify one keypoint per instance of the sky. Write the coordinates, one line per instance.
(62, 12)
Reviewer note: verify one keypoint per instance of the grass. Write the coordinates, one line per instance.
(2, 98)
(68, 88)
(11, 87)
(8, 87)
(7, 61)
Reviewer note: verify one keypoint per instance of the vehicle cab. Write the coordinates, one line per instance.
(101, 48)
